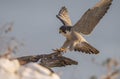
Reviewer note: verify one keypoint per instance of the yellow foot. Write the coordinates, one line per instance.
(60, 50)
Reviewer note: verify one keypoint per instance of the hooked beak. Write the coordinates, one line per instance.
(60, 31)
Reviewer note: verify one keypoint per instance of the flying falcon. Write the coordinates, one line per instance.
(73, 33)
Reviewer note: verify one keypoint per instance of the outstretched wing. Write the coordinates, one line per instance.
(91, 17)
(63, 16)
(84, 47)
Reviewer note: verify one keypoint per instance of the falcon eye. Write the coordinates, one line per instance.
(62, 29)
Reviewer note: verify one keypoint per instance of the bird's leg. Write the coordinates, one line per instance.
(64, 50)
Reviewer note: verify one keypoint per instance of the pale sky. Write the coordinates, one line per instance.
(36, 25)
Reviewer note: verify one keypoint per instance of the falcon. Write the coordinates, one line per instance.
(73, 33)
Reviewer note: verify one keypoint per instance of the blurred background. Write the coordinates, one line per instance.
(35, 26)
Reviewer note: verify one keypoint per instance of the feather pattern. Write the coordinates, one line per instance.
(92, 17)
(85, 48)
(63, 16)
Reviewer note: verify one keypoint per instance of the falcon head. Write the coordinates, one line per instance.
(65, 30)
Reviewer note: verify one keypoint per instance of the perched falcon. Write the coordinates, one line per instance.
(73, 33)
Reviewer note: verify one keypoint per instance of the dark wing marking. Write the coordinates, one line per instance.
(92, 17)
(86, 48)
(63, 16)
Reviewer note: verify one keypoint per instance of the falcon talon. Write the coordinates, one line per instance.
(59, 50)
(56, 50)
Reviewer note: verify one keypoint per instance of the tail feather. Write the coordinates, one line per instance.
(86, 48)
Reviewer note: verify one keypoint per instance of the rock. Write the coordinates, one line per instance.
(11, 69)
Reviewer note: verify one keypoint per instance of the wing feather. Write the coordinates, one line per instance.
(63, 16)
(92, 17)
(86, 48)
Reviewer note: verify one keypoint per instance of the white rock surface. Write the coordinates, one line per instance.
(11, 69)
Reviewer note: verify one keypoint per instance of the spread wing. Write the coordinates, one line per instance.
(63, 16)
(86, 48)
(92, 17)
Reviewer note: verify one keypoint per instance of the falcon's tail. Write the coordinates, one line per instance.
(86, 48)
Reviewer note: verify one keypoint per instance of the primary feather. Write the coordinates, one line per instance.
(92, 17)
